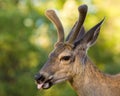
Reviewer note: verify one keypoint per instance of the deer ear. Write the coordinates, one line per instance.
(91, 36)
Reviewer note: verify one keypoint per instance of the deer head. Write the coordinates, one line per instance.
(69, 56)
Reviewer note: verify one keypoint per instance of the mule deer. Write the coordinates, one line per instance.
(69, 61)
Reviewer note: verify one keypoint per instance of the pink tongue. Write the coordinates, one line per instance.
(39, 86)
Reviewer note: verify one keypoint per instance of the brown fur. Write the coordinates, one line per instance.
(69, 62)
(92, 82)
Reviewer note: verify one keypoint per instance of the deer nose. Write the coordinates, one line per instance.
(39, 78)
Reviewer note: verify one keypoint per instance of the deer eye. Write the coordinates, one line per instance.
(65, 58)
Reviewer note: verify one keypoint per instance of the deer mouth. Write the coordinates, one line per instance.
(50, 82)
(44, 84)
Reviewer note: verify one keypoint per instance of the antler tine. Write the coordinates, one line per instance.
(51, 14)
(82, 14)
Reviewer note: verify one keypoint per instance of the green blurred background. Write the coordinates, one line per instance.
(27, 37)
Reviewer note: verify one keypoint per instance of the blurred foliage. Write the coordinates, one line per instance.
(27, 37)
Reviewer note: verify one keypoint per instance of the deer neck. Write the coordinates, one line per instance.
(83, 80)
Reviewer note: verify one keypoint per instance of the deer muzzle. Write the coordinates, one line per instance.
(43, 82)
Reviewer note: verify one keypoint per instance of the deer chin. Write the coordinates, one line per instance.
(60, 80)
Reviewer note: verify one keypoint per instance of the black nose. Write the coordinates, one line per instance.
(39, 78)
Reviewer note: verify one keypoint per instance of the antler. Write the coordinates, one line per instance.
(82, 14)
(54, 18)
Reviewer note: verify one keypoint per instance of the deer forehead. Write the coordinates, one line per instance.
(61, 50)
